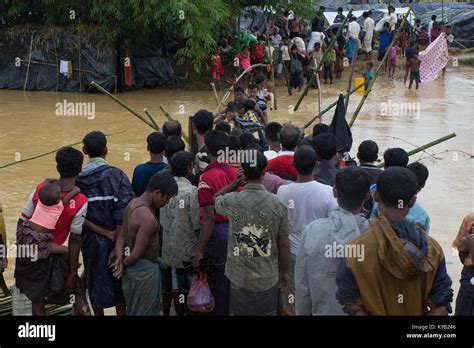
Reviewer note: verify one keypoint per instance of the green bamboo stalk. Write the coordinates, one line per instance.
(121, 103)
(376, 74)
(49, 152)
(213, 85)
(155, 125)
(318, 68)
(426, 146)
(170, 118)
(330, 106)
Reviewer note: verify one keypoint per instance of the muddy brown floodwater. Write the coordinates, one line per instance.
(29, 125)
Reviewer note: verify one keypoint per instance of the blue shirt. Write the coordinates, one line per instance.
(416, 213)
(142, 174)
(384, 39)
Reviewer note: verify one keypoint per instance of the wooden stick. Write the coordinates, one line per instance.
(213, 85)
(426, 146)
(79, 52)
(329, 48)
(170, 118)
(93, 83)
(155, 125)
(29, 63)
(372, 81)
(330, 107)
(50, 152)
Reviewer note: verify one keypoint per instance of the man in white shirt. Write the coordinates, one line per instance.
(368, 34)
(354, 31)
(306, 200)
(272, 136)
(392, 17)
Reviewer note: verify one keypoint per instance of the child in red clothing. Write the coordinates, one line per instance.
(258, 50)
(216, 68)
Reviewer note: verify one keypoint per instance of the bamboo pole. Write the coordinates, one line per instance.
(426, 146)
(229, 91)
(272, 65)
(330, 106)
(29, 63)
(331, 45)
(136, 114)
(155, 125)
(79, 53)
(49, 152)
(376, 74)
(170, 118)
(213, 85)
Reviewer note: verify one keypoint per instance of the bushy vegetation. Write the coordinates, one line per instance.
(197, 22)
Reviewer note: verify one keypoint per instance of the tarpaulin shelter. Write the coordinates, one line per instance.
(32, 61)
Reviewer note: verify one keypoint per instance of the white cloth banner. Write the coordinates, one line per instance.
(434, 59)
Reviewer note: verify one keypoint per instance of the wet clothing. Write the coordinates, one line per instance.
(47, 215)
(43, 278)
(416, 214)
(181, 225)
(316, 264)
(142, 174)
(142, 288)
(465, 298)
(282, 165)
(257, 219)
(142, 281)
(108, 192)
(325, 174)
(403, 273)
(260, 303)
(152, 250)
(27, 236)
(71, 219)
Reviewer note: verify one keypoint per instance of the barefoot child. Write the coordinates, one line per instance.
(216, 68)
(410, 51)
(392, 60)
(415, 71)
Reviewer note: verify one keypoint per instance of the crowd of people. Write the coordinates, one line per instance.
(297, 47)
(298, 230)
(301, 228)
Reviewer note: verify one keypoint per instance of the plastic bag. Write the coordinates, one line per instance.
(200, 298)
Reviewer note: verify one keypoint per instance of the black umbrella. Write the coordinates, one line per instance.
(340, 128)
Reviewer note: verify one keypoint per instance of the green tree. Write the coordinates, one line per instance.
(136, 22)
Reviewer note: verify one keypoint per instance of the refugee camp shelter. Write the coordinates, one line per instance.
(68, 61)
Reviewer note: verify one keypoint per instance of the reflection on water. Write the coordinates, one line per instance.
(29, 125)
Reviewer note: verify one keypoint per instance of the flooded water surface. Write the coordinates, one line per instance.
(30, 124)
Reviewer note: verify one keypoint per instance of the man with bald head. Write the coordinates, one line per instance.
(172, 127)
(282, 165)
